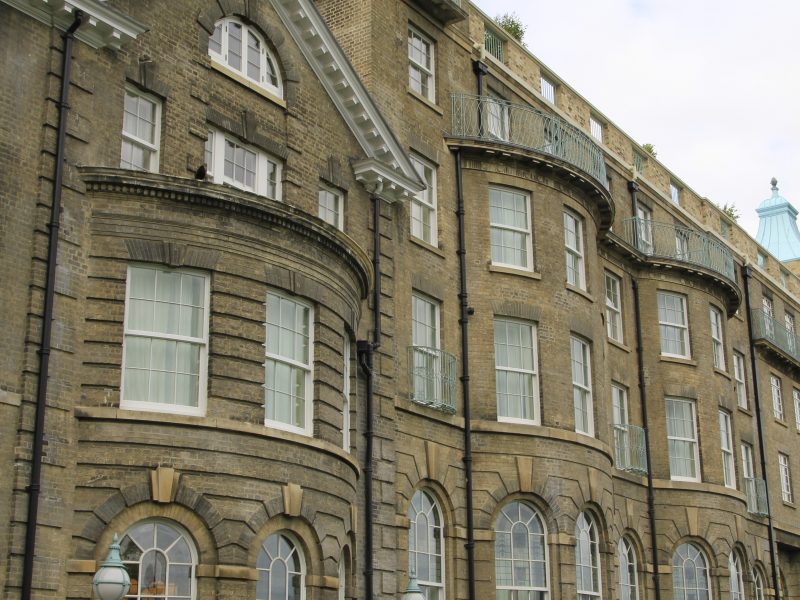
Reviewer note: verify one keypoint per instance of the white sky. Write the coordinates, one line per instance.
(714, 85)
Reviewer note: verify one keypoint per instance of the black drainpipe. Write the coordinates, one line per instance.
(651, 509)
(366, 353)
(747, 273)
(480, 69)
(633, 188)
(49, 295)
(466, 312)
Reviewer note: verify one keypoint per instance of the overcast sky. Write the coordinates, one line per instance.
(714, 85)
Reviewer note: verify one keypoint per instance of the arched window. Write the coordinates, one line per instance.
(281, 570)
(342, 578)
(690, 574)
(160, 560)
(758, 585)
(425, 548)
(520, 554)
(587, 558)
(240, 48)
(735, 573)
(628, 577)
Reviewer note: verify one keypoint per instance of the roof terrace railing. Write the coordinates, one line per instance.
(675, 242)
(491, 119)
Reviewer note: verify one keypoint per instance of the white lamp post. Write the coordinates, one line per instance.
(111, 582)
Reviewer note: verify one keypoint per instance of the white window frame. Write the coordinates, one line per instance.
(740, 379)
(265, 164)
(769, 316)
(791, 339)
(776, 388)
(785, 473)
(425, 203)
(200, 341)
(426, 73)
(296, 549)
(681, 327)
(726, 447)
(158, 547)
(346, 423)
(620, 416)
(796, 399)
(690, 554)
(335, 216)
(692, 440)
(644, 227)
(675, 192)
(430, 587)
(267, 59)
(748, 469)
(628, 570)
(758, 585)
(717, 337)
(498, 116)
(425, 353)
(613, 285)
(596, 127)
(504, 541)
(502, 228)
(150, 147)
(574, 250)
(305, 367)
(587, 538)
(548, 87)
(532, 373)
(736, 581)
(581, 362)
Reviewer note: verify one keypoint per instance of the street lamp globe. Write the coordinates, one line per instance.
(112, 582)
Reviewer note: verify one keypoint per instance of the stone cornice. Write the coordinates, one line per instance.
(104, 26)
(387, 170)
(231, 200)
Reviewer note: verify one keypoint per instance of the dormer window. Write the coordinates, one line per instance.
(240, 48)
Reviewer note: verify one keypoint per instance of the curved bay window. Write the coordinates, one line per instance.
(281, 570)
(690, 574)
(425, 545)
(160, 560)
(520, 554)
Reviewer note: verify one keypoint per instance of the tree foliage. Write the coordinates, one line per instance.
(730, 211)
(650, 149)
(512, 25)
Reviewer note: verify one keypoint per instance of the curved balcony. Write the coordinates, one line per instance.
(774, 335)
(630, 451)
(487, 119)
(432, 377)
(680, 244)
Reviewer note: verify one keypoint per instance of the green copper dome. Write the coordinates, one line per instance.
(777, 226)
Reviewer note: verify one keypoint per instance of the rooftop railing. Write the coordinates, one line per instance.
(755, 491)
(495, 120)
(630, 452)
(432, 377)
(675, 242)
(766, 327)
(494, 44)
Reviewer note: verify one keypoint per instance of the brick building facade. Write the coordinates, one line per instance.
(352, 290)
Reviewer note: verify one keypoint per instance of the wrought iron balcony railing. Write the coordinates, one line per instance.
(755, 491)
(630, 452)
(432, 377)
(494, 120)
(675, 242)
(767, 328)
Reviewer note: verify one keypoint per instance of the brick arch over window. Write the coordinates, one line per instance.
(198, 524)
(272, 35)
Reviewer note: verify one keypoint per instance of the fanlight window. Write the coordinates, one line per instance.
(160, 561)
(281, 570)
(690, 574)
(241, 49)
(520, 554)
